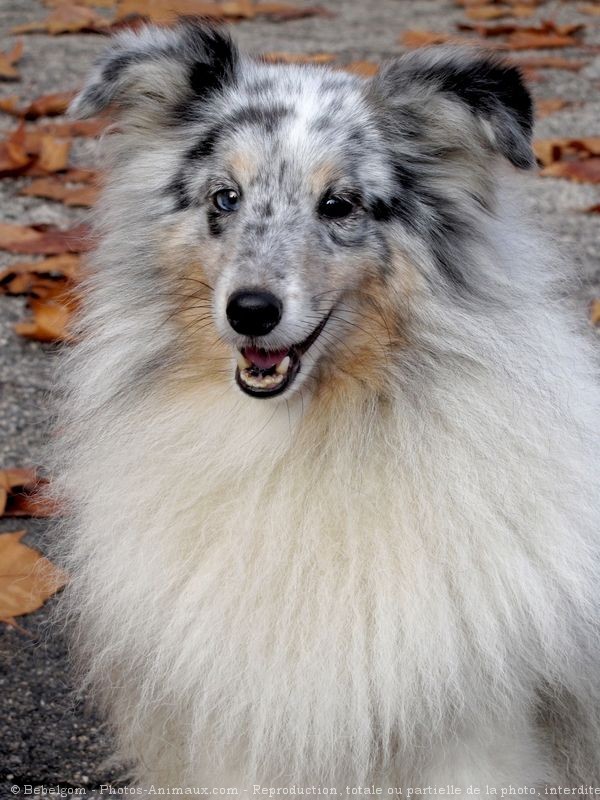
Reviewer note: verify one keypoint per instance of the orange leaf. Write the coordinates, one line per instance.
(43, 239)
(41, 279)
(163, 11)
(585, 171)
(484, 12)
(552, 62)
(297, 58)
(14, 155)
(8, 61)
(11, 479)
(48, 105)
(67, 18)
(21, 495)
(589, 8)
(366, 69)
(61, 188)
(27, 579)
(595, 312)
(49, 322)
(550, 106)
(419, 38)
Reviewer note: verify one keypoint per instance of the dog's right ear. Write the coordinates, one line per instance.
(155, 71)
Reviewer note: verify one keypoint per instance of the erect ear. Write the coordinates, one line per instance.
(155, 70)
(492, 91)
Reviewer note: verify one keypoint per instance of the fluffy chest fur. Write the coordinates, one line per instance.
(330, 593)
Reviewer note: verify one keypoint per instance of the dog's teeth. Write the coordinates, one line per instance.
(283, 365)
(242, 362)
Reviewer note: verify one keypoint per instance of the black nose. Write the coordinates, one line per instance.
(253, 313)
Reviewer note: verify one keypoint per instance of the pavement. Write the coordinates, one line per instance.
(47, 737)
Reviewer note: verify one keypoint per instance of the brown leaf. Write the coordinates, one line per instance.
(548, 151)
(33, 152)
(297, 58)
(164, 11)
(585, 171)
(41, 279)
(11, 479)
(62, 188)
(420, 38)
(549, 106)
(14, 155)
(366, 69)
(552, 62)
(589, 8)
(48, 105)
(44, 239)
(10, 105)
(595, 312)
(491, 12)
(22, 494)
(539, 41)
(49, 321)
(8, 60)
(595, 209)
(27, 579)
(67, 18)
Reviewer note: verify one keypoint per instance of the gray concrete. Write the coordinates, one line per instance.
(45, 736)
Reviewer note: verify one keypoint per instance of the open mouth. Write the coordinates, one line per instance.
(266, 373)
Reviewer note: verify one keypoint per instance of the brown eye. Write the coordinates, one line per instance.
(227, 200)
(334, 207)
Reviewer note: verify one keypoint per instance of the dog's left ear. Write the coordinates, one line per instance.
(490, 89)
(148, 74)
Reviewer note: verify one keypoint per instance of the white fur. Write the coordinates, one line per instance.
(361, 591)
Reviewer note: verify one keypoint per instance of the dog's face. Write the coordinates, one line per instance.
(295, 208)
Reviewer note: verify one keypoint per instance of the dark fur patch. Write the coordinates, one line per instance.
(215, 227)
(217, 60)
(267, 117)
(178, 190)
(205, 146)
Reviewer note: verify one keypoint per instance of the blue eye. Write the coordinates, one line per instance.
(227, 200)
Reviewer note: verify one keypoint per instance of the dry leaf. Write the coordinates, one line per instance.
(298, 58)
(548, 151)
(33, 153)
(491, 12)
(67, 18)
(164, 11)
(67, 188)
(20, 494)
(595, 209)
(48, 105)
(49, 321)
(585, 171)
(8, 60)
(419, 38)
(366, 69)
(14, 155)
(27, 579)
(552, 62)
(11, 479)
(544, 108)
(589, 8)
(595, 312)
(44, 239)
(42, 279)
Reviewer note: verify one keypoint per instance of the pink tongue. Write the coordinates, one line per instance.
(264, 359)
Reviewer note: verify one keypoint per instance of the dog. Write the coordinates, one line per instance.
(329, 433)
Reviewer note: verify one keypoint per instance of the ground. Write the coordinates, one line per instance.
(49, 738)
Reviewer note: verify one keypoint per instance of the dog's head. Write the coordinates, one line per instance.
(291, 212)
